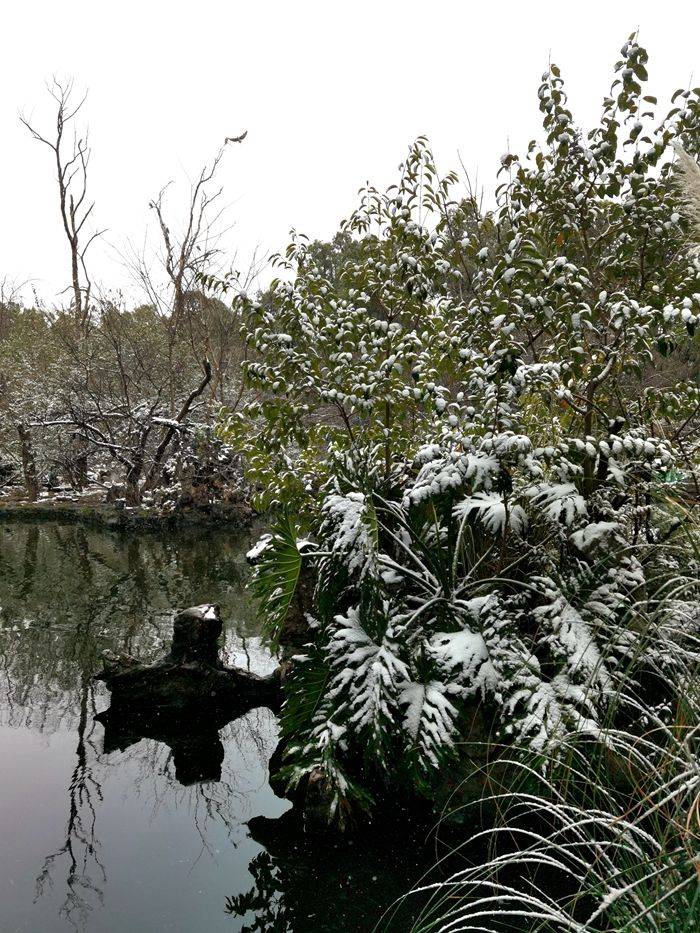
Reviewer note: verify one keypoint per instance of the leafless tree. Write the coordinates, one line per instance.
(71, 163)
(10, 298)
(118, 404)
(184, 257)
(129, 388)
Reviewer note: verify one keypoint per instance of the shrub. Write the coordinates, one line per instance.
(514, 433)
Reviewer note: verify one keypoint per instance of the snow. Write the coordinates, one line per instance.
(558, 501)
(259, 547)
(207, 611)
(494, 512)
(351, 525)
(429, 718)
(573, 638)
(369, 672)
(465, 653)
(594, 533)
(447, 473)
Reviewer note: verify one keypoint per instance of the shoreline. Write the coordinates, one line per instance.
(112, 518)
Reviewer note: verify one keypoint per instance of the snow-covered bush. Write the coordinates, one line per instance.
(202, 470)
(608, 838)
(575, 296)
(487, 423)
(485, 580)
(352, 347)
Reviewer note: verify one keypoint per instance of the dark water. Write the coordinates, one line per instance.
(114, 841)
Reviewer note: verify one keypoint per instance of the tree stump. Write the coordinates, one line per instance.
(184, 699)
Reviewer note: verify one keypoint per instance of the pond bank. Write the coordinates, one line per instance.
(114, 516)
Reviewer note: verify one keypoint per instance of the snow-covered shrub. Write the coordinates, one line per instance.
(482, 578)
(577, 295)
(497, 502)
(202, 470)
(350, 347)
(608, 838)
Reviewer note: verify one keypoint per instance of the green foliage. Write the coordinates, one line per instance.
(422, 313)
(489, 422)
(276, 574)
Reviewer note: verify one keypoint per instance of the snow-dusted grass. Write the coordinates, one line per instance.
(607, 837)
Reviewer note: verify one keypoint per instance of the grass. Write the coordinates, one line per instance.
(606, 836)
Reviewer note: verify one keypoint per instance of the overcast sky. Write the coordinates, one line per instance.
(331, 94)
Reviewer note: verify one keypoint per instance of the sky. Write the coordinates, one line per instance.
(330, 93)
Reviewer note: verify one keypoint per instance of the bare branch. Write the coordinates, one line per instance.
(71, 176)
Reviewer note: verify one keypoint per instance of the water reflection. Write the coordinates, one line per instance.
(78, 858)
(66, 594)
(112, 827)
(359, 877)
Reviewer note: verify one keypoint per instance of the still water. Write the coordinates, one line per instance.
(143, 838)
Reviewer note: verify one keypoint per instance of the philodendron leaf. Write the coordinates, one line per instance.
(277, 568)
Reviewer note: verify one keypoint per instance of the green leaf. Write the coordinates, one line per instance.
(277, 575)
(665, 346)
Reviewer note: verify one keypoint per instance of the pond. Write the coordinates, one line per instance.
(143, 837)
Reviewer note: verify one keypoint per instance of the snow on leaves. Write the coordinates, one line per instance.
(464, 656)
(429, 720)
(499, 377)
(352, 524)
(441, 474)
(559, 502)
(594, 533)
(367, 673)
(493, 512)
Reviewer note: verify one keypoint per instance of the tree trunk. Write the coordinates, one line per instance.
(31, 481)
(132, 493)
(79, 471)
(77, 294)
(153, 475)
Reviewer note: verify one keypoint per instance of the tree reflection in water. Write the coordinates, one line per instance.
(302, 882)
(85, 872)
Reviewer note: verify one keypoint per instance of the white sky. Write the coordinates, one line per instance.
(331, 94)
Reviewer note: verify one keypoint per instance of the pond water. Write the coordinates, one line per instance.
(144, 837)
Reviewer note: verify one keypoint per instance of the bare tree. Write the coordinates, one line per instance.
(118, 407)
(71, 174)
(185, 257)
(10, 300)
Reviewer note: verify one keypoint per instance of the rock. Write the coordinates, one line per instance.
(191, 676)
(196, 632)
(184, 699)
